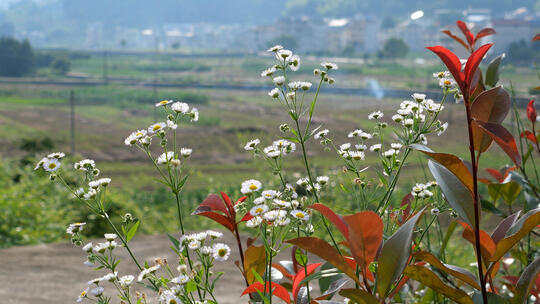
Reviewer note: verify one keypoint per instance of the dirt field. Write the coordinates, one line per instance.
(55, 274)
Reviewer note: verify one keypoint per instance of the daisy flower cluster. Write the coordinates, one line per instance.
(423, 191)
(448, 84)
(101, 256)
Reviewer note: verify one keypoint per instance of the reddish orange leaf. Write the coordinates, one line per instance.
(337, 220)
(300, 276)
(365, 236)
(277, 290)
(474, 61)
(503, 138)
(487, 245)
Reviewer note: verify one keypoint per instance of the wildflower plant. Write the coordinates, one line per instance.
(392, 249)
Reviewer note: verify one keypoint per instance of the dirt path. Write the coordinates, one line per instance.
(55, 274)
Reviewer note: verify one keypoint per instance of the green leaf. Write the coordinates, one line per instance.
(525, 282)
(174, 241)
(431, 280)
(492, 72)
(518, 231)
(394, 255)
(131, 233)
(457, 272)
(508, 191)
(359, 296)
(456, 193)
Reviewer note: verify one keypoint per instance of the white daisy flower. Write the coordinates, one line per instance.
(269, 194)
(397, 118)
(423, 139)
(306, 85)
(294, 63)
(354, 133)
(268, 72)
(357, 155)
(396, 146)
(57, 155)
(360, 147)
(259, 200)
(409, 122)
(250, 186)
(164, 158)
(375, 115)
(145, 272)
(51, 165)
(125, 281)
(83, 295)
(275, 48)
(171, 125)
(375, 148)
(282, 221)
(110, 236)
(183, 278)
(440, 75)
(180, 107)
(321, 134)
(345, 146)
(221, 252)
(206, 250)
(214, 234)
(329, 65)
(447, 83)
(97, 291)
(87, 263)
(389, 153)
(442, 129)
(85, 165)
(282, 203)
(40, 163)
(322, 180)
(252, 144)
(194, 114)
(279, 81)
(186, 152)
(254, 222)
(163, 103)
(110, 277)
(366, 136)
(302, 182)
(299, 214)
(156, 127)
(258, 210)
(274, 93)
(283, 54)
(87, 247)
(75, 228)
(418, 97)
(105, 181)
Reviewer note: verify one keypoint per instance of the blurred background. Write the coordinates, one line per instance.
(78, 76)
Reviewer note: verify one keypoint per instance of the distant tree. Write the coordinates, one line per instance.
(521, 52)
(287, 41)
(394, 48)
(123, 43)
(176, 45)
(16, 58)
(61, 65)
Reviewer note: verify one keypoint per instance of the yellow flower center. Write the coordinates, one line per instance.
(252, 187)
(447, 82)
(172, 301)
(83, 293)
(52, 165)
(222, 252)
(163, 102)
(300, 215)
(156, 127)
(139, 134)
(259, 210)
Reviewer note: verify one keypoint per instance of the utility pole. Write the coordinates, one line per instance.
(72, 122)
(105, 68)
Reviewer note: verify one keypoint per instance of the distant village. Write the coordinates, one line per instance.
(362, 34)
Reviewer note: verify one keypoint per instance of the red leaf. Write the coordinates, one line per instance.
(300, 276)
(283, 271)
(503, 138)
(451, 61)
(456, 38)
(215, 203)
(246, 217)
(529, 135)
(333, 217)
(465, 30)
(240, 200)
(536, 37)
(365, 236)
(406, 201)
(474, 61)
(228, 203)
(487, 245)
(484, 32)
(278, 290)
(495, 174)
(531, 111)
(218, 218)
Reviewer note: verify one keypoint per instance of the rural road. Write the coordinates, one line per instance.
(55, 274)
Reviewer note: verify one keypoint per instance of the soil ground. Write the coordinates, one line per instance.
(55, 274)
